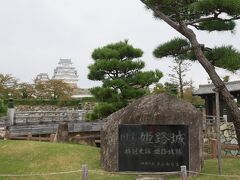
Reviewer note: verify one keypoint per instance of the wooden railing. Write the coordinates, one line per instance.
(83, 139)
(31, 138)
(213, 147)
(211, 120)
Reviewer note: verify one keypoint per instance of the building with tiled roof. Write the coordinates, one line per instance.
(66, 72)
(207, 93)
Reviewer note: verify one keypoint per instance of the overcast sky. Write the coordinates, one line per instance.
(35, 34)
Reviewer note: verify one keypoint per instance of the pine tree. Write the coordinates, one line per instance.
(209, 15)
(176, 49)
(119, 69)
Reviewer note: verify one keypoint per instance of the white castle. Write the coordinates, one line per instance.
(42, 77)
(66, 72)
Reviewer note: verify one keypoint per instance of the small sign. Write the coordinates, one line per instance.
(153, 148)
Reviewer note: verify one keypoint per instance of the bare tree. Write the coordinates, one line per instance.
(180, 68)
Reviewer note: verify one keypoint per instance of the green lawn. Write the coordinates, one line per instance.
(230, 166)
(25, 157)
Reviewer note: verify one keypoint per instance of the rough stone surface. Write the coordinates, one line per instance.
(234, 141)
(43, 108)
(84, 106)
(227, 136)
(159, 109)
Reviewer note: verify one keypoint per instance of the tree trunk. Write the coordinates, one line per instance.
(180, 80)
(219, 84)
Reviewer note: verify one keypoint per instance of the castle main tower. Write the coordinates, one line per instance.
(66, 72)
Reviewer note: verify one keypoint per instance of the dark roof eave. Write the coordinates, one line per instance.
(207, 89)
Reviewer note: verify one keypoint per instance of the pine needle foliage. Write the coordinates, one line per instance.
(225, 57)
(119, 69)
(231, 7)
(175, 47)
(217, 25)
(210, 15)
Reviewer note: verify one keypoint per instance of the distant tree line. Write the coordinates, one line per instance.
(174, 90)
(47, 92)
(47, 89)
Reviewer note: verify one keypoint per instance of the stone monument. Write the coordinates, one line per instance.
(156, 133)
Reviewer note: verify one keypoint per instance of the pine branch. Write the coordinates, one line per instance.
(168, 20)
(192, 23)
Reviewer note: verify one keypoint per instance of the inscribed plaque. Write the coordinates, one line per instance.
(153, 148)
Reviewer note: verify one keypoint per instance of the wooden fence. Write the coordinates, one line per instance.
(93, 140)
(30, 137)
(211, 148)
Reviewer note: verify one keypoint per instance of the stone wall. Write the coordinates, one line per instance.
(82, 106)
(227, 136)
(42, 108)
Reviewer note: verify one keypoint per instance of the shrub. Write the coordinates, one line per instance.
(3, 107)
